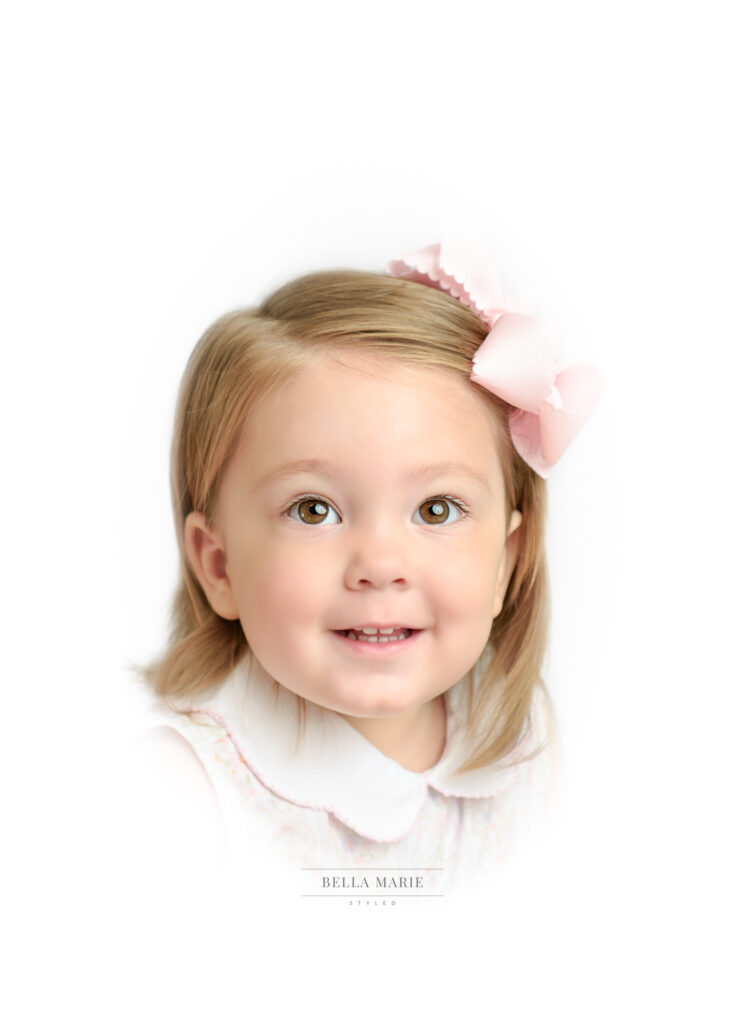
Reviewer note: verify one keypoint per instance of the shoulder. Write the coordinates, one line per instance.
(542, 772)
(172, 806)
(164, 755)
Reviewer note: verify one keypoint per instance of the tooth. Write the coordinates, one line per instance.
(386, 631)
(369, 630)
(383, 640)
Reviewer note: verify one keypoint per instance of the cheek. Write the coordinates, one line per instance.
(280, 587)
(465, 581)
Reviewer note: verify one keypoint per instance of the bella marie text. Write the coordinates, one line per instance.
(381, 882)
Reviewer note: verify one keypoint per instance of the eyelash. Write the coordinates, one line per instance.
(460, 505)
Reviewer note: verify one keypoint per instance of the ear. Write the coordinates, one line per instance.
(205, 553)
(508, 559)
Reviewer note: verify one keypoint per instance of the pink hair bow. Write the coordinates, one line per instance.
(518, 359)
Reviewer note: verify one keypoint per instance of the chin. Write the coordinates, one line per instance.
(378, 705)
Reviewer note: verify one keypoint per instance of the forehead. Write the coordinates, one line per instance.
(357, 408)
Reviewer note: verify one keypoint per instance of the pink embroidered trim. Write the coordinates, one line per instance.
(299, 802)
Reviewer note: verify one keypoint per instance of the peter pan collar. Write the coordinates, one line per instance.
(333, 767)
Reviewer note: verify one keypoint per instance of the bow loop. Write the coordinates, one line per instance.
(462, 268)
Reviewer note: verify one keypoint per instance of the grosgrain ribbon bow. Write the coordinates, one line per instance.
(518, 359)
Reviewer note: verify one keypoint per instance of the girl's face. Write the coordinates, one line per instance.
(364, 494)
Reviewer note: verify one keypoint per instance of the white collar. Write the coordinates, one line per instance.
(334, 768)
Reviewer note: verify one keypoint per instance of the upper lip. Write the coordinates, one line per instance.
(379, 625)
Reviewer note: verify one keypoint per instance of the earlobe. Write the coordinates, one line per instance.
(205, 553)
(508, 559)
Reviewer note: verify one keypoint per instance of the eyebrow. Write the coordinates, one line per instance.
(414, 473)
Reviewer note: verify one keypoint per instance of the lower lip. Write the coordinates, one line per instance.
(378, 650)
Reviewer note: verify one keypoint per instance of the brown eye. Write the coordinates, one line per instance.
(312, 512)
(435, 511)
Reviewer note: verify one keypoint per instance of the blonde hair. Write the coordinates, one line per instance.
(249, 352)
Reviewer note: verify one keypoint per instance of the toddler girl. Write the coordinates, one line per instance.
(358, 479)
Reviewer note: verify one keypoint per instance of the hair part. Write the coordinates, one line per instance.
(248, 353)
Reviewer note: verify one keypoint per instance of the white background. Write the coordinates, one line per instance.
(167, 162)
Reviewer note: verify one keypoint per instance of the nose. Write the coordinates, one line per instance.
(377, 560)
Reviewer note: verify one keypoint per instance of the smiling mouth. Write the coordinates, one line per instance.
(377, 635)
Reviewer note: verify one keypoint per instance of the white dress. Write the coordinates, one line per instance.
(341, 817)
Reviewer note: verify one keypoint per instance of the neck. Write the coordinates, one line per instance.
(415, 739)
